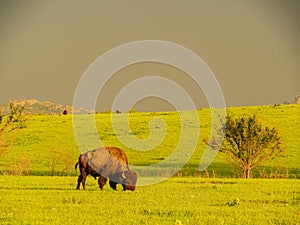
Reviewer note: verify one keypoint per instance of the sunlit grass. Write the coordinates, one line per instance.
(54, 200)
(45, 137)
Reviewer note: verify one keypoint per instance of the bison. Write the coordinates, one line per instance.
(106, 163)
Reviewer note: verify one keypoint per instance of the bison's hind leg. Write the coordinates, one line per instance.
(81, 179)
(78, 182)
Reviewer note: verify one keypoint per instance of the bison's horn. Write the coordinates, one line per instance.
(123, 175)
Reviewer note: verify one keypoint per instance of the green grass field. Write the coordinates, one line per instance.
(54, 200)
(48, 139)
(47, 146)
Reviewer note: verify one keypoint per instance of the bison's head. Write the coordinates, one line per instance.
(130, 178)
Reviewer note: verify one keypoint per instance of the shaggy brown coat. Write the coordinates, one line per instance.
(107, 162)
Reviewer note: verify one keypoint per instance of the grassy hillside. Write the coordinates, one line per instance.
(48, 142)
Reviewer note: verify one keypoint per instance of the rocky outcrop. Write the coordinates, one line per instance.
(35, 107)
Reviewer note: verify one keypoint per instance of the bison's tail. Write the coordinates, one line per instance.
(76, 165)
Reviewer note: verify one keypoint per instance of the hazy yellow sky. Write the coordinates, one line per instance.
(253, 47)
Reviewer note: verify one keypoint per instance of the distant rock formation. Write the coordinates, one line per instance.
(297, 99)
(35, 107)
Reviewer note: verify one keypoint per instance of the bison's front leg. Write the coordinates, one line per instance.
(113, 185)
(102, 181)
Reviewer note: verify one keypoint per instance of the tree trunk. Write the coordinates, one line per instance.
(247, 173)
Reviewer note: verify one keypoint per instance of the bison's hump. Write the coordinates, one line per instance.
(97, 159)
(117, 153)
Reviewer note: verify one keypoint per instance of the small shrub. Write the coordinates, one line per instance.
(67, 162)
(108, 111)
(132, 110)
(21, 168)
(3, 146)
(61, 161)
(206, 173)
(16, 114)
(53, 163)
(281, 173)
(118, 111)
(263, 174)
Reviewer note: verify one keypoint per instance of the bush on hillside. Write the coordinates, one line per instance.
(248, 143)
